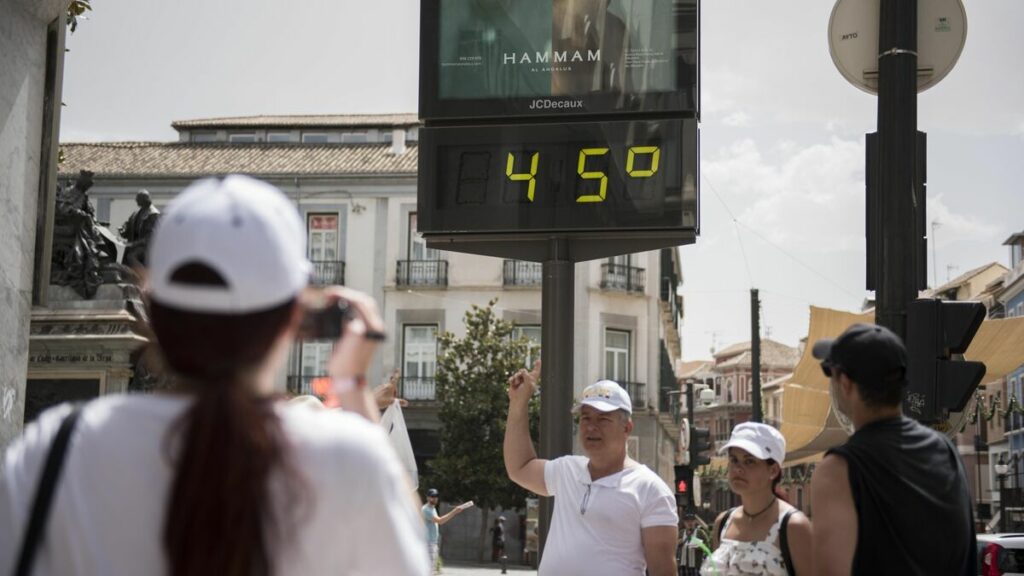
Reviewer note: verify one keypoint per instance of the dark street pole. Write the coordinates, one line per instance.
(556, 391)
(1002, 503)
(690, 383)
(897, 241)
(755, 361)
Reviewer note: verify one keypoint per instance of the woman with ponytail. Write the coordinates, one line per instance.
(220, 478)
(765, 536)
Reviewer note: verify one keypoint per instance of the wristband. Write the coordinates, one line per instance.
(343, 384)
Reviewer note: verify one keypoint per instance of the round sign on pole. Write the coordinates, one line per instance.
(853, 40)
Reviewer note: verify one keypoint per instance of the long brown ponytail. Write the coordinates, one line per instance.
(221, 516)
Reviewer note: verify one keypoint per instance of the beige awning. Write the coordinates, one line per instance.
(807, 422)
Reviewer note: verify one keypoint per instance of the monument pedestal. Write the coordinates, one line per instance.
(80, 349)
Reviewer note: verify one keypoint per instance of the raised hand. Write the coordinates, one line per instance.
(522, 384)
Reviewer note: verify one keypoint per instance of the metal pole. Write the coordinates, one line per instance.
(1002, 504)
(690, 504)
(935, 273)
(556, 391)
(897, 162)
(755, 352)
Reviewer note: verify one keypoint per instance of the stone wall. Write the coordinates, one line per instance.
(22, 79)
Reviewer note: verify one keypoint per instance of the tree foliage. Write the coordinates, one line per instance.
(76, 10)
(472, 375)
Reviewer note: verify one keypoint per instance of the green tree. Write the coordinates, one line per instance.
(472, 381)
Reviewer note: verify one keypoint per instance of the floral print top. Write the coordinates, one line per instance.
(736, 558)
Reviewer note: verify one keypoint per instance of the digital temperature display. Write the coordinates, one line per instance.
(592, 176)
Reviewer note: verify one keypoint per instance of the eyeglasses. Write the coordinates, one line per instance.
(586, 500)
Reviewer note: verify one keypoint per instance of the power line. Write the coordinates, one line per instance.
(737, 222)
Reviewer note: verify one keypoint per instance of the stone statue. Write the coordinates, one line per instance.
(138, 229)
(80, 249)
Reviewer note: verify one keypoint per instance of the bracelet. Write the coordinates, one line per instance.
(347, 383)
(375, 336)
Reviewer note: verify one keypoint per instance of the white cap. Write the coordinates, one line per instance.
(246, 231)
(605, 396)
(760, 440)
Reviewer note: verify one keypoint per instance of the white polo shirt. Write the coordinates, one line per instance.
(595, 528)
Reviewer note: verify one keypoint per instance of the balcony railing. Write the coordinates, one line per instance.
(417, 388)
(519, 273)
(637, 393)
(328, 273)
(625, 278)
(422, 273)
(301, 384)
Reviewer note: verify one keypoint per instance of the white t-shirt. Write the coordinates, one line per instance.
(595, 527)
(108, 513)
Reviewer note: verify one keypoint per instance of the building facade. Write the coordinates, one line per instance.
(353, 179)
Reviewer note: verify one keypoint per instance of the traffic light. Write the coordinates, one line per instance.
(700, 447)
(684, 480)
(938, 331)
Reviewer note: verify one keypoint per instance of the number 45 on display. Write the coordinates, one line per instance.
(581, 170)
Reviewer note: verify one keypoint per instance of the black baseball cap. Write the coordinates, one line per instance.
(432, 493)
(869, 354)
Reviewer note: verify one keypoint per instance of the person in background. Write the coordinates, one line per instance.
(765, 535)
(433, 521)
(219, 477)
(498, 540)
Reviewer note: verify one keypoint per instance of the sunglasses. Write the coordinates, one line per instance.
(827, 367)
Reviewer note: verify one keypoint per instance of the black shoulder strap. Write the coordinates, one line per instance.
(44, 494)
(784, 542)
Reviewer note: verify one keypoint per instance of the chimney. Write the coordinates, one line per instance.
(398, 141)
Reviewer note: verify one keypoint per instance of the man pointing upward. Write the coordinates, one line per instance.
(612, 515)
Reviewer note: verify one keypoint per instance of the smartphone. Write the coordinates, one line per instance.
(325, 322)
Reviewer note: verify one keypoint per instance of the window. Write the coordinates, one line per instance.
(617, 274)
(419, 351)
(242, 138)
(314, 358)
(531, 333)
(386, 137)
(314, 138)
(277, 137)
(354, 137)
(616, 355)
(204, 136)
(417, 245)
(323, 237)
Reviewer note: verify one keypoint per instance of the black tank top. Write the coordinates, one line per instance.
(914, 513)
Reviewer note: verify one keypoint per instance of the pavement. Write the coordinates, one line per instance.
(461, 569)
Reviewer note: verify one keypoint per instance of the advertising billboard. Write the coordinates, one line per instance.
(528, 58)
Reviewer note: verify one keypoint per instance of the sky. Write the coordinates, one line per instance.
(782, 132)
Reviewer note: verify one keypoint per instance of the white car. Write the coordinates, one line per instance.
(1000, 554)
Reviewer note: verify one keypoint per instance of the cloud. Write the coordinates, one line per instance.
(953, 227)
(737, 119)
(806, 198)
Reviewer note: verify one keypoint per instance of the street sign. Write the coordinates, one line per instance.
(495, 59)
(853, 40)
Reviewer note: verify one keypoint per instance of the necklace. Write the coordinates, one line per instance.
(763, 510)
